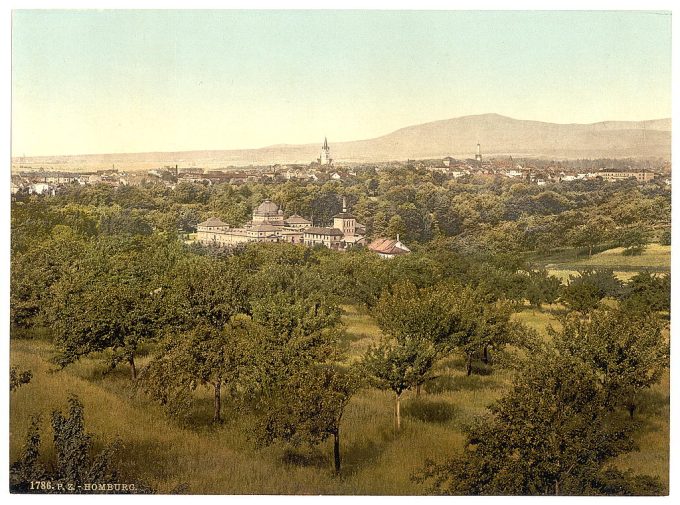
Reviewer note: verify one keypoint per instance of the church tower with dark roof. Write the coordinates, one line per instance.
(325, 156)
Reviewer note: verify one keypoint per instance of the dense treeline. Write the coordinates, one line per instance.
(496, 215)
(106, 272)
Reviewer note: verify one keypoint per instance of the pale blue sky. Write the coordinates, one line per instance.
(129, 81)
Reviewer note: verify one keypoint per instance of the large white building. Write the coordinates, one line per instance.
(269, 225)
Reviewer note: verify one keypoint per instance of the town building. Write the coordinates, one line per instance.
(643, 176)
(388, 248)
(268, 224)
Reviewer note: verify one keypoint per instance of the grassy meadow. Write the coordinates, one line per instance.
(223, 459)
(655, 257)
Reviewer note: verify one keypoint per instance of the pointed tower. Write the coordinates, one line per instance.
(325, 156)
(478, 156)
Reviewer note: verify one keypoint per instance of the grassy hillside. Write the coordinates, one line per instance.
(654, 257)
(376, 459)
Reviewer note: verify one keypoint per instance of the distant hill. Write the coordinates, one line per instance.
(458, 137)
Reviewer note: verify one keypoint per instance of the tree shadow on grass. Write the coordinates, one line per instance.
(305, 456)
(452, 383)
(429, 411)
(360, 454)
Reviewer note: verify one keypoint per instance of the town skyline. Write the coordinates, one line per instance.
(137, 81)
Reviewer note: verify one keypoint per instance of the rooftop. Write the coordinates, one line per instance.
(265, 226)
(212, 223)
(266, 208)
(388, 246)
(295, 219)
(317, 230)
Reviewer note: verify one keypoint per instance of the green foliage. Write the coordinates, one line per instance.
(596, 230)
(553, 433)
(74, 465)
(633, 239)
(110, 301)
(646, 292)
(34, 271)
(410, 313)
(557, 430)
(18, 378)
(585, 290)
(204, 355)
(400, 364)
(307, 408)
(542, 288)
(202, 290)
(627, 351)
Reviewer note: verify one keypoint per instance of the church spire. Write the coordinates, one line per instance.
(325, 144)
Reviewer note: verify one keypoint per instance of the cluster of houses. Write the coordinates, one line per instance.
(275, 173)
(45, 182)
(269, 224)
(540, 176)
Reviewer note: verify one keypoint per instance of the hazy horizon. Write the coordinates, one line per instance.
(319, 141)
(106, 82)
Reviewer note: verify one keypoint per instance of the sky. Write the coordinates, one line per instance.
(88, 82)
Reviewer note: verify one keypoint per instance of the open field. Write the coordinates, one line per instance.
(655, 257)
(376, 459)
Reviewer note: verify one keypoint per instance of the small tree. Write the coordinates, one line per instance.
(646, 292)
(542, 288)
(553, 433)
(627, 350)
(398, 365)
(595, 231)
(18, 378)
(74, 463)
(634, 240)
(204, 355)
(585, 290)
(109, 301)
(308, 407)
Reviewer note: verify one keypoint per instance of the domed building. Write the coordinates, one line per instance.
(268, 211)
(269, 225)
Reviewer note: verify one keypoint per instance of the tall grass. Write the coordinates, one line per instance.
(223, 459)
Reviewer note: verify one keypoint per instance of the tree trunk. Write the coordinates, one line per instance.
(485, 357)
(590, 251)
(417, 390)
(468, 365)
(398, 411)
(631, 409)
(133, 368)
(336, 450)
(217, 417)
